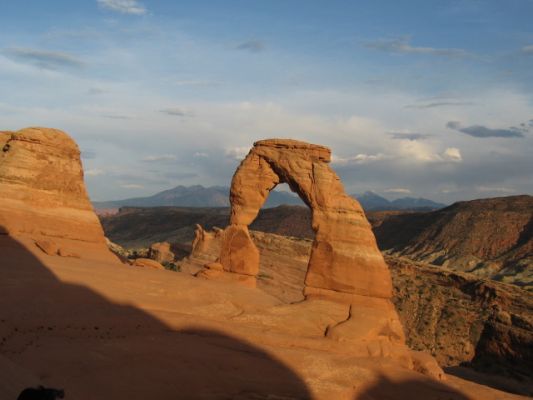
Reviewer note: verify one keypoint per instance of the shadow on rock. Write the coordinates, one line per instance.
(64, 335)
(422, 389)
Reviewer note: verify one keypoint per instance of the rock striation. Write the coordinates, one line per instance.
(491, 238)
(345, 258)
(43, 193)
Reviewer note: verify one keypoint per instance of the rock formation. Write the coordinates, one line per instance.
(76, 321)
(345, 258)
(161, 253)
(147, 263)
(345, 264)
(43, 194)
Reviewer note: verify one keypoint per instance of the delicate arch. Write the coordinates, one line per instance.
(345, 259)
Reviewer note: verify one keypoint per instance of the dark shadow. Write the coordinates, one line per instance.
(423, 389)
(397, 232)
(500, 382)
(68, 336)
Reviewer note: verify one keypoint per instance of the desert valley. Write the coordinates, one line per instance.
(300, 306)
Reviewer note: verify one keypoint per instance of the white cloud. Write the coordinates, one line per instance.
(452, 154)
(237, 153)
(496, 189)
(123, 6)
(528, 49)
(195, 82)
(397, 190)
(425, 153)
(176, 111)
(435, 104)
(162, 157)
(358, 159)
(416, 151)
(96, 91)
(253, 46)
(94, 172)
(50, 60)
(402, 46)
(131, 186)
(200, 154)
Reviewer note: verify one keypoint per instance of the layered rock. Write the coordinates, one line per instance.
(43, 193)
(41, 181)
(492, 238)
(345, 259)
(345, 264)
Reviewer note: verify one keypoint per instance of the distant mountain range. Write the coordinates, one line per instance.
(194, 196)
(218, 196)
(374, 202)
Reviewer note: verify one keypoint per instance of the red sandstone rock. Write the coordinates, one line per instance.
(67, 253)
(161, 253)
(425, 364)
(43, 196)
(41, 181)
(215, 266)
(345, 257)
(345, 264)
(147, 263)
(47, 247)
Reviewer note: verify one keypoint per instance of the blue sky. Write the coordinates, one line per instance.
(417, 98)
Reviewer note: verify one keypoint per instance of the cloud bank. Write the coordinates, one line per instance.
(481, 131)
(402, 46)
(132, 7)
(51, 60)
(253, 46)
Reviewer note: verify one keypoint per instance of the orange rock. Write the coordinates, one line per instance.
(345, 264)
(238, 253)
(215, 266)
(206, 245)
(427, 365)
(47, 247)
(345, 257)
(67, 253)
(43, 196)
(147, 263)
(161, 253)
(41, 181)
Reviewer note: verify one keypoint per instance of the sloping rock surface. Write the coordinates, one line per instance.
(492, 238)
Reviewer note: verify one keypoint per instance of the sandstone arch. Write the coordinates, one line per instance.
(345, 260)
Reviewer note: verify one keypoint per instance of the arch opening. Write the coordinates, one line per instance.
(283, 235)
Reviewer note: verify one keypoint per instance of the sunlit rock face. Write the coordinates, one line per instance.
(43, 195)
(345, 259)
(345, 264)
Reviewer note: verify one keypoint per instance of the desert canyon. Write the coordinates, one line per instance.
(251, 314)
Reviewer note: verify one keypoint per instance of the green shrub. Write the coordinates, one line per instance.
(171, 266)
